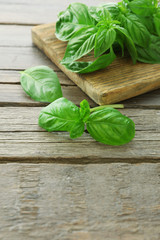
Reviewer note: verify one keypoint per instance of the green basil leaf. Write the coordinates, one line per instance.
(151, 54)
(156, 19)
(112, 8)
(41, 84)
(100, 14)
(84, 110)
(142, 7)
(123, 36)
(72, 19)
(62, 115)
(104, 40)
(137, 31)
(80, 44)
(110, 127)
(86, 67)
(149, 24)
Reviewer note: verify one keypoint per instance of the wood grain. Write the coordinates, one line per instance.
(120, 81)
(24, 119)
(13, 35)
(15, 95)
(75, 202)
(19, 130)
(35, 12)
(20, 58)
(13, 77)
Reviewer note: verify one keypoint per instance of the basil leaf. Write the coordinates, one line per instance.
(62, 115)
(104, 40)
(84, 110)
(137, 31)
(112, 8)
(99, 14)
(142, 7)
(123, 36)
(41, 84)
(80, 44)
(110, 127)
(149, 23)
(71, 20)
(156, 19)
(86, 67)
(151, 54)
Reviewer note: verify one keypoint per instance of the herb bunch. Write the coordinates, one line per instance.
(132, 25)
(104, 123)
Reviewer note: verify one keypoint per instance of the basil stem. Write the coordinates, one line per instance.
(104, 106)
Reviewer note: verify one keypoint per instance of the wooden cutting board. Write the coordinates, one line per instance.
(120, 81)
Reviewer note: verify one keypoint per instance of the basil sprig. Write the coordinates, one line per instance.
(106, 125)
(130, 25)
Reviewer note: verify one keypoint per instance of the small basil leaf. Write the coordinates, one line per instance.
(142, 7)
(104, 40)
(80, 44)
(137, 31)
(84, 110)
(60, 115)
(123, 36)
(71, 20)
(86, 67)
(77, 130)
(110, 127)
(151, 54)
(41, 84)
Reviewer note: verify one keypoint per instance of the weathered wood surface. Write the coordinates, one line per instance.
(35, 12)
(119, 81)
(80, 202)
(111, 201)
(19, 130)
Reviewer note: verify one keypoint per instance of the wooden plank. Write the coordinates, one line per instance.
(19, 130)
(13, 77)
(108, 201)
(19, 58)
(13, 35)
(120, 81)
(35, 12)
(14, 95)
(11, 94)
(24, 119)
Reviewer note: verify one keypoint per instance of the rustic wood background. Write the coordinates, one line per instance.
(52, 187)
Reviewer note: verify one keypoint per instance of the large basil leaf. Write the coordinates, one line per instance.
(149, 24)
(86, 67)
(142, 7)
(104, 40)
(151, 54)
(112, 8)
(80, 44)
(62, 115)
(136, 29)
(123, 36)
(99, 13)
(41, 84)
(71, 20)
(110, 127)
(156, 19)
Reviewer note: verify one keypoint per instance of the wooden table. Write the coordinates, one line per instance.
(52, 187)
